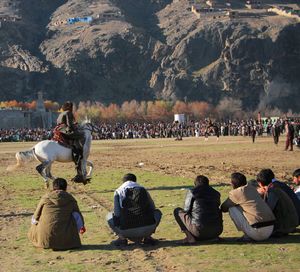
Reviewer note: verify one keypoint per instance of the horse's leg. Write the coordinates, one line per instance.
(41, 168)
(48, 171)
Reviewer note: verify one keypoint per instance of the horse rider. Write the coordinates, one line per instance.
(69, 128)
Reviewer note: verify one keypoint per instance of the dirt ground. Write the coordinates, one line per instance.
(176, 163)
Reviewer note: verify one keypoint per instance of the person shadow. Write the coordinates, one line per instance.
(293, 238)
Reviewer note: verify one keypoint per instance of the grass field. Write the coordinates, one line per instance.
(168, 168)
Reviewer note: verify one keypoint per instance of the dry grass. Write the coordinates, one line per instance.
(166, 167)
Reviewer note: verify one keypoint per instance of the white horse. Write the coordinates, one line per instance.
(48, 151)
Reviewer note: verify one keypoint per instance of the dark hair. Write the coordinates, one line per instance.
(296, 173)
(67, 106)
(265, 176)
(129, 177)
(238, 180)
(59, 184)
(201, 180)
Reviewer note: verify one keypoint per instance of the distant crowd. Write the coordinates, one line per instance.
(177, 130)
(24, 134)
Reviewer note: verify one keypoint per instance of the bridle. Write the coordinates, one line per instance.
(90, 127)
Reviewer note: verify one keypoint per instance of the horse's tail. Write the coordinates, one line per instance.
(22, 158)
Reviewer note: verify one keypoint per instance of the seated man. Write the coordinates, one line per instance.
(57, 220)
(296, 180)
(279, 202)
(201, 218)
(284, 187)
(248, 211)
(135, 217)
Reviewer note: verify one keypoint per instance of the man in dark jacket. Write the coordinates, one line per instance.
(279, 202)
(135, 217)
(269, 174)
(276, 132)
(201, 218)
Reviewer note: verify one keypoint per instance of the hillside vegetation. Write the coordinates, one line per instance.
(146, 50)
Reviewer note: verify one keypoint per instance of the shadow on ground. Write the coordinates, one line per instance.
(290, 239)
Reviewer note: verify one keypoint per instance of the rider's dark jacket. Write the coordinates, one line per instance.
(67, 119)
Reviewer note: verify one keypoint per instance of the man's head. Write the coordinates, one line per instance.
(201, 180)
(296, 176)
(264, 177)
(59, 184)
(129, 177)
(67, 106)
(238, 180)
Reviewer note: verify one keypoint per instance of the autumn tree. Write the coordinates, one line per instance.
(50, 105)
(180, 107)
(12, 104)
(88, 111)
(130, 110)
(110, 113)
(199, 109)
(158, 110)
(229, 108)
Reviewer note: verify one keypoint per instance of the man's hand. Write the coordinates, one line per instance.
(82, 230)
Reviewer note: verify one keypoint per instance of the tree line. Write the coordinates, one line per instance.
(159, 110)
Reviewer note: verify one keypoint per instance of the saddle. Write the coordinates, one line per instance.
(65, 140)
(60, 137)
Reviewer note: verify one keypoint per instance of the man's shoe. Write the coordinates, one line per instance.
(119, 242)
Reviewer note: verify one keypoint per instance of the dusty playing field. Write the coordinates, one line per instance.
(166, 167)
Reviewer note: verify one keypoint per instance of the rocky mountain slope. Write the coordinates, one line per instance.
(150, 49)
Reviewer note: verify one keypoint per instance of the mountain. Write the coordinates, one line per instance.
(149, 49)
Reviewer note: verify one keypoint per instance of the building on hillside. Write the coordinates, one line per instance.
(18, 118)
(253, 4)
(203, 11)
(110, 15)
(287, 11)
(74, 20)
(232, 14)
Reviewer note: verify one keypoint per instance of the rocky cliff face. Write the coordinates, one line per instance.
(146, 50)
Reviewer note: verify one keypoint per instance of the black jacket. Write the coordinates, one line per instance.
(202, 203)
(138, 209)
(291, 194)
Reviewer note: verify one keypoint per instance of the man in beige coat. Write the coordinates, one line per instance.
(248, 210)
(53, 223)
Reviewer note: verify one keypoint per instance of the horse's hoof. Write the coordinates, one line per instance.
(78, 179)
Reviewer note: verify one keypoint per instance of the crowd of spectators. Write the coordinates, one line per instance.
(177, 130)
(24, 134)
(190, 129)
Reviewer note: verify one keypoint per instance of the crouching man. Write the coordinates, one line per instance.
(201, 218)
(248, 210)
(57, 221)
(135, 217)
